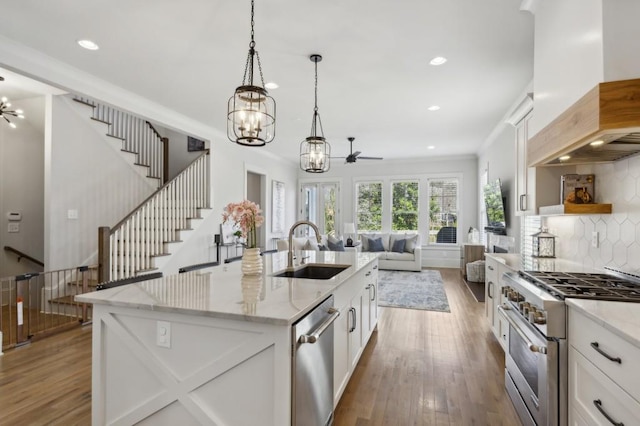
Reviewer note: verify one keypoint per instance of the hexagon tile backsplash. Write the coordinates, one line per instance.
(618, 233)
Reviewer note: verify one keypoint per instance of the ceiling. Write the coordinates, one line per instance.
(374, 82)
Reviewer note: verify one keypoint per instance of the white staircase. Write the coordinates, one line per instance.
(146, 238)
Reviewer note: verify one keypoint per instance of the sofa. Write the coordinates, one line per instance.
(311, 243)
(397, 251)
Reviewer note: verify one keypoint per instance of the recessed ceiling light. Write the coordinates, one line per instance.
(564, 158)
(438, 60)
(88, 44)
(271, 85)
(433, 108)
(431, 147)
(597, 143)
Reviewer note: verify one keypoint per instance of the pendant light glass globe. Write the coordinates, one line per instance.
(315, 151)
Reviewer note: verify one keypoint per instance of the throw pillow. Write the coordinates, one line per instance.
(333, 239)
(398, 245)
(322, 247)
(310, 246)
(339, 246)
(375, 245)
(411, 243)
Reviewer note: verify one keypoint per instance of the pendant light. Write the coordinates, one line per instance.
(5, 111)
(251, 112)
(315, 151)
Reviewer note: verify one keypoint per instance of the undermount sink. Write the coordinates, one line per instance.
(314, 271)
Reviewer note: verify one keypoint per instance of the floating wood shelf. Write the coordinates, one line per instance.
(569, 208)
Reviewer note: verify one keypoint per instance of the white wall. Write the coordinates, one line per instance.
(500, 159)
(83, 172)
(22, 186)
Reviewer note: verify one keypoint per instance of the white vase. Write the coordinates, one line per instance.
(252, 262)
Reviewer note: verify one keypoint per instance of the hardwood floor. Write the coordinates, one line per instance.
(420, 368)
(430, 368)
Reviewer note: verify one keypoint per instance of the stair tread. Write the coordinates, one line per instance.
(160, 255)
(80, 101)
(114, 136)
(65, 300)
(100, 121)
(90, 282)
(136, 163)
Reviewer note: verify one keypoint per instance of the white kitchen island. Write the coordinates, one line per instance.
(214, 347)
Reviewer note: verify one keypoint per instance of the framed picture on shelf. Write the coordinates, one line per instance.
(277, 207)
(194, 144)
(227, 231)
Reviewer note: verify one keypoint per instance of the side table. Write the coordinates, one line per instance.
(355, 247)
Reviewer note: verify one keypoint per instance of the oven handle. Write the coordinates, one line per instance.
(313, 337)
(532, 346)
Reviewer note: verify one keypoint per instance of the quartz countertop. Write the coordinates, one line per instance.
(621, 318)
(223, 292)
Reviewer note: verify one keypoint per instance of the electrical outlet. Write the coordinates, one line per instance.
(72, 214)
(163, 334)
(595, 236)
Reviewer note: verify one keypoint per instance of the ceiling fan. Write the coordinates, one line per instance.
(353, 156)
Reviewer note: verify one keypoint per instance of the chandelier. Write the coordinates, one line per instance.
(315, 151)
(5, 111)
(251, 112)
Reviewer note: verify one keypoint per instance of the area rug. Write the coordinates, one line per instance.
(412, 290)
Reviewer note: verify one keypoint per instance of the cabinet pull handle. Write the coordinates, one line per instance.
(355, 319)
(373, 286)
(352, 327)
(490, 267)
(596, 346)
(535, 401)
(489, 292)
(367, 274)
(523, 206)
(598, 405)
(375, 267)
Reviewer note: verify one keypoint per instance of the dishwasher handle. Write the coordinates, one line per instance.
(313, 337)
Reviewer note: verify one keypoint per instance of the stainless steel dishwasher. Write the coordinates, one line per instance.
(312, 378)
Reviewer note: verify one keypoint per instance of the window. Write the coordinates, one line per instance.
(320, 206)
(484, 180)
(404, 206)
(443, 211)
(369, 206)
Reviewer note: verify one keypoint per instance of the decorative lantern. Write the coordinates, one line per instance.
(544, 244)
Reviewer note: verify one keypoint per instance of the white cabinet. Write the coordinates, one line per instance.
(370, 304)
(358, 305)
(525, 176)
(534, 187)
(604, 384)
(494, 269)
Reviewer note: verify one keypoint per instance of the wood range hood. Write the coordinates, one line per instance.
(610, 112)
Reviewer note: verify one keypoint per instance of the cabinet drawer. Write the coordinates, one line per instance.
(589, 387)
(585, 334)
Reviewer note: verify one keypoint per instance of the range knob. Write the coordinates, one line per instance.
(540, 318)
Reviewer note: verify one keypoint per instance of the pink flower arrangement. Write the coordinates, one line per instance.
(248, 216)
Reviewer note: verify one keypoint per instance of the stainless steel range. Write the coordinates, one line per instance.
(536, 359)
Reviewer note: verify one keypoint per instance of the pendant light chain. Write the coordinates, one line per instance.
(248, 68)
(316, 115)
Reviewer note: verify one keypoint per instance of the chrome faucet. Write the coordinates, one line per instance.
(295, 225)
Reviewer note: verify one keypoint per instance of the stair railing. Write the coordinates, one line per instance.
(130, 246)
(137, 135)
(38, 303)
(21, 255)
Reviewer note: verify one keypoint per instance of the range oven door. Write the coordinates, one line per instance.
(529, 360)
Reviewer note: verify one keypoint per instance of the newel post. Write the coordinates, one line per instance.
(165, 160)
(104, 259)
